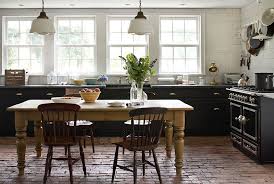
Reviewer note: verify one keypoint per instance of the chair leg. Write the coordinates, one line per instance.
(157, 165)
(46, 167)
(115, 163)
(143, 162)
(66, 150)
(84, 135)
(134, 168)
(70, 165)
(124, 136)
(82, 155)
(50, 159)
(92, 138)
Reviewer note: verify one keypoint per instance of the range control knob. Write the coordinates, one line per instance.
(252, 100)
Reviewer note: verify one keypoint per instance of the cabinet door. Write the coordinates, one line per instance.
(235, 116)
(208, 118)
(250, 123)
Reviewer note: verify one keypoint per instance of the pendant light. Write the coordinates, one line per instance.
(42, 24)
(140, 25)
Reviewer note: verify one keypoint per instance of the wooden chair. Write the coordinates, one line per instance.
(85, 127)
(144, 137)
(57, 134)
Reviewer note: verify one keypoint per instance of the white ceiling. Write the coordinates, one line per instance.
(125, 3)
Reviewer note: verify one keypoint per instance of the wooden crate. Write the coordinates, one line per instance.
(14, 77)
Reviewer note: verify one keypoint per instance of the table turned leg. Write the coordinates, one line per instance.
(169, 137)
(38, 138)
(20, 126)
(179, 127)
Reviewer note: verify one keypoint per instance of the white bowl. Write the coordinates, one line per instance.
(71, 100)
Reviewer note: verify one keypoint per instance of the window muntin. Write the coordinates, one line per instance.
(120, 43)
(180, 45)
(22, 50)
(75, 45)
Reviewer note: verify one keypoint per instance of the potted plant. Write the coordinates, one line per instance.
(138, 70)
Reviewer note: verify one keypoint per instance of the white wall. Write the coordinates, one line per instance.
(220, 34)
(264, 62)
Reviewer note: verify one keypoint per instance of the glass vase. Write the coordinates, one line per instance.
(137, 96)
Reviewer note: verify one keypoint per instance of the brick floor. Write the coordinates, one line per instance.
(207, 160)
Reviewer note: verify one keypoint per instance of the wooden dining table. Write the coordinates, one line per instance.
(101, 111)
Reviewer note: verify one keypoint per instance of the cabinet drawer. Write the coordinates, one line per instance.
(176, 93)
(251, 148)
(236, 139)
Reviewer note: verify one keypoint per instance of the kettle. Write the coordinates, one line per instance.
(243, 80)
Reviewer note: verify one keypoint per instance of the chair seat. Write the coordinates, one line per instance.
(128, 122)
(80, 123)
(127, 145)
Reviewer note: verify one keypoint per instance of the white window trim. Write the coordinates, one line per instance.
(199, 45)
(5, 46)
(108, 45)
(94, 45)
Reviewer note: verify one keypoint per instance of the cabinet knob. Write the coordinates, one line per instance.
(172, 94)
(19, 94)
(49, 94)
(216, 109)
(216, 93)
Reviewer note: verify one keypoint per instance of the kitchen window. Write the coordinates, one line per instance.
(21, 49)
(120, 43)
(75, 45)
(180, 45)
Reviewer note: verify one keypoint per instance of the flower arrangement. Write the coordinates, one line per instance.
(138, 69)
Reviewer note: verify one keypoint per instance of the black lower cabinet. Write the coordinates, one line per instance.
(208, 118)
(210, 115)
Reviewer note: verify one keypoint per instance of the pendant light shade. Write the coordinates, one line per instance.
(140, 25)
(42, 24)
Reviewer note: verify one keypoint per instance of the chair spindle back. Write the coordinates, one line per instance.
(54, 121)
(146, 124)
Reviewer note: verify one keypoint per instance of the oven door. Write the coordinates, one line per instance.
(235, 117)
(250, 123)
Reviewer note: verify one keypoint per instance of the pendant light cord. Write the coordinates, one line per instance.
(140, 5)
(43, 5)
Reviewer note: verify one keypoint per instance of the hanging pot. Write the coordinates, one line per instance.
(268, 17)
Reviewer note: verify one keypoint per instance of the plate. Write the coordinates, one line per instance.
(71, 100)
(116, 104)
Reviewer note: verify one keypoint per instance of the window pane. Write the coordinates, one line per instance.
(88, 38)
(36, 54)
(76, 26)
(191, 38)
(88, 26)
(115, 37)
(115, 26)
(191, 26)
(127, 50)
(12, 53)
(166, 66)
(166, 26)
(178, 26)
(166, 38)
(25, 26)
(191, 52)
(178, 37)
(88, 53)
(167, 52)
(192, 65)
(179, 65)
(24, 53)
(139, 52)
(179, 52)
(63, 26)
(115, 52)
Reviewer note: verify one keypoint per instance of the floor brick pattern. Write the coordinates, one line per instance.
(207, 160)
